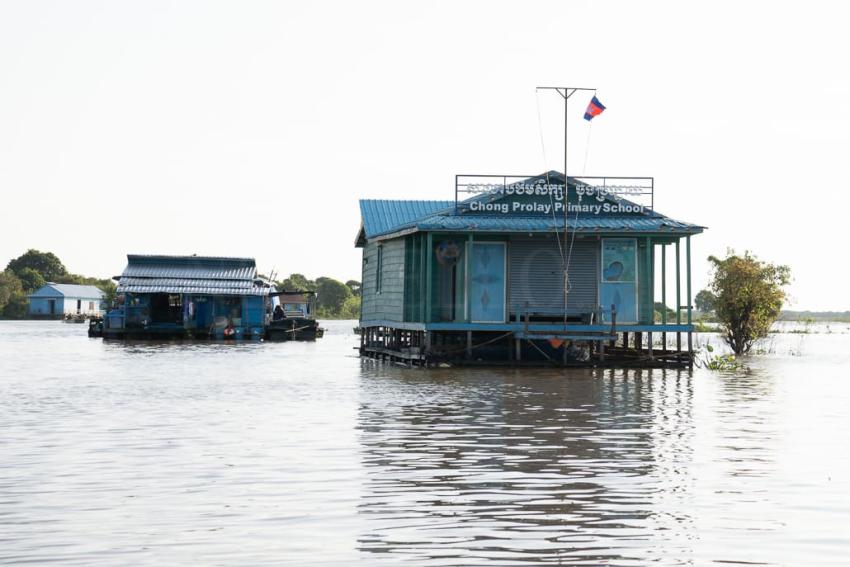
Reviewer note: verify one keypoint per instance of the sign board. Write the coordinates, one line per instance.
(517, 195)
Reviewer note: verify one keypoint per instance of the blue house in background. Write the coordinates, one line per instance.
(55, 301)
(188, 296)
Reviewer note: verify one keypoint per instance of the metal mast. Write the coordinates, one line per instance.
(566, 93)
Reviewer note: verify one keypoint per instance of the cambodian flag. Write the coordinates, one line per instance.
(595, 108)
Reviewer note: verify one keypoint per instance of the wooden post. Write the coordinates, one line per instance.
(468, 345)
(625, 339)
(690, 351)
(664, 296)
(690, 315)
(649, 344)
(639, 341)
(688, 262)
(420, 287)
(466, 278)
(650, 280)
(518, 350)
(429, 252)
(678, 299)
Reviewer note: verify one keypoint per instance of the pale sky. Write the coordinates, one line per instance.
(252, 128)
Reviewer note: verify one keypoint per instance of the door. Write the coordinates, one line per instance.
(51, 306)
(487, 282)
(619, 279)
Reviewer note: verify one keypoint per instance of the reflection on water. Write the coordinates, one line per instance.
(303, 454)
(516, 468)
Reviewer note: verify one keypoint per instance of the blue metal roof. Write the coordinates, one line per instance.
(68, 290)
(197, 267)
(384, 218)
(655, 223)
(381, 216)
(207, 275)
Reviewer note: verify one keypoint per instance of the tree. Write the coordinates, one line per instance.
(332, 295)
(351, 308)
(705, 301)
(296, 282)
(109, 289)
(45, 263)
(13, 300)
(354, 286)
(30, 279)
(9, 284)
(660, 308)
(335, 299)
(16, 308)
(748, 297)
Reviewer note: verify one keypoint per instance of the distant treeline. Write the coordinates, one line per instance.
(28, 272)
(837, 316)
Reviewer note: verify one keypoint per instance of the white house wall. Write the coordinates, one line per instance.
(40, 306)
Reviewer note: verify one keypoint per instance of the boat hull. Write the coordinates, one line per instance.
(294, 329)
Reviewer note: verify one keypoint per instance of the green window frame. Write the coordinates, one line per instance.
(379, 270)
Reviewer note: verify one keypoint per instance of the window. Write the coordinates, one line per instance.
(91, 305)
(379, 270)
(619, 260)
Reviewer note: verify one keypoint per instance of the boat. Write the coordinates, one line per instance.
(293, 317)
(95, 327)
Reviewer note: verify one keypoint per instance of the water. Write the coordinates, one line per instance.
(302, 454)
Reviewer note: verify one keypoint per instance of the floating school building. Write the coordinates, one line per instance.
(527, 269)
(188, 296)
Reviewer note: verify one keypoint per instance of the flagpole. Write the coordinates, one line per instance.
(566, 93)
(566, 274)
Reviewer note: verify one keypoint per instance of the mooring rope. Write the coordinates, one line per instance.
(478, 345)
(549, 358)
(297, 329)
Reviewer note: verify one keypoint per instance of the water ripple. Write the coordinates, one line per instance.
(302, 454)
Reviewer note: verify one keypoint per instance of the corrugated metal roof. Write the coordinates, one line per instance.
(165, 285)
(381, 215)
(548, 224)
(68, 290)
(195, 267)
(207, 275)
(386, 217)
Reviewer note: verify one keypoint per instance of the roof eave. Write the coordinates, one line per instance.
(360, 239)
(411, 230)
(395, 234)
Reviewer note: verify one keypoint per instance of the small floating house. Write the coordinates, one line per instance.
(54, 301)
(188, 296)
(527, 269)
